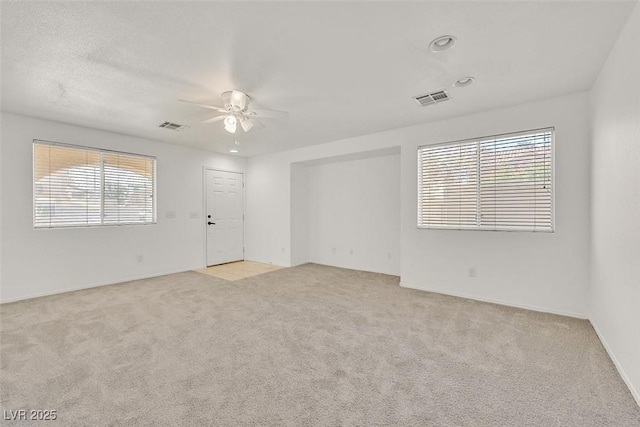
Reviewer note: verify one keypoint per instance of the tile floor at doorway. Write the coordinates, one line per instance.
(238, 270)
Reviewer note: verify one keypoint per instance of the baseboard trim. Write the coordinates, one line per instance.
(351, 268)
(496, 301)
(619, 368)
(96, 285)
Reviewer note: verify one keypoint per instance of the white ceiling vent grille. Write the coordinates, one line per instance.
(173, 126)
(432, 98)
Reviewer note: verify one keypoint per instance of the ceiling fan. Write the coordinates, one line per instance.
(236, 112)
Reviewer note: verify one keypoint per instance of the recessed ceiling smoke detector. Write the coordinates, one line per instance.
(173, 126)
(442, 43)
(465, 81)
(432, 98)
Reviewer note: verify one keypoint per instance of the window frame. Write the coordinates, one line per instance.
(478, 141)
(100, 151)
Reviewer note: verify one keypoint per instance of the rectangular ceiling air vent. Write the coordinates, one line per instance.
(173, 126)
(432, 98)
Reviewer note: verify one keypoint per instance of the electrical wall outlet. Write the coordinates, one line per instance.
(471, 272)
(140, 258)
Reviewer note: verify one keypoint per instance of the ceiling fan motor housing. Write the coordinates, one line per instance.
(234, 100)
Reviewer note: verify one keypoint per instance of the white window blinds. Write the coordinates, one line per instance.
(496, 183)
(79, 186)
(128, 188)
(448, 185)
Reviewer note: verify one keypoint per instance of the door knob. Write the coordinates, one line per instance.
(211, 223)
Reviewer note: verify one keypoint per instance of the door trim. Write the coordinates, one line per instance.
(204, 209)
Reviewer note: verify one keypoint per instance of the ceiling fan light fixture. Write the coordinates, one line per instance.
(236, 112)
(230, 124)
(246, 124)
(442, 44)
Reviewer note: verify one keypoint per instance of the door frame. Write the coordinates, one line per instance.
(204, 208)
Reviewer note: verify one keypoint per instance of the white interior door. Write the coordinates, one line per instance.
(224, 216)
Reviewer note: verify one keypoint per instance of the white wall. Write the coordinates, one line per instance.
(299, 214)
(1, 259)
(536, 270)
(354, 213)
(267, 191)
(45, 261)
(1, 190)
(548, 272)
(615, 255)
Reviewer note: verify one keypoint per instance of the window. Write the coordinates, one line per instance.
(495, 183)
(80, 186)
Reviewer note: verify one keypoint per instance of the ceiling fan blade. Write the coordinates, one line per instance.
(238, 100)
(269, 114)
(210, 107)
(216, 119)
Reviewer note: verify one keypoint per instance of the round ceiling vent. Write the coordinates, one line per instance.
(465, 81)
(442, 43)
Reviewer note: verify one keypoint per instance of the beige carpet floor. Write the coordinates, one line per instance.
(304, 346)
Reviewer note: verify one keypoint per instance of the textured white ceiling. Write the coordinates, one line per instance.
(340, 69)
